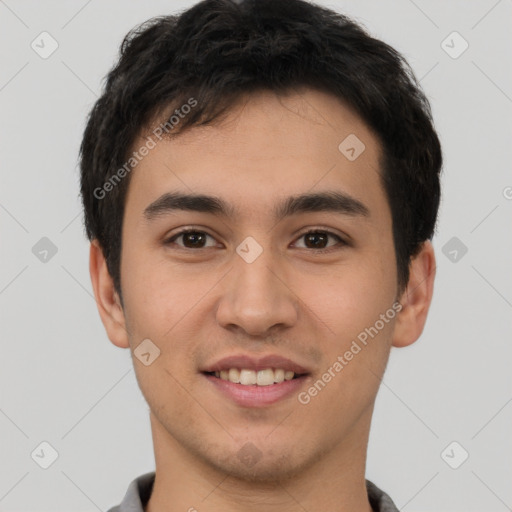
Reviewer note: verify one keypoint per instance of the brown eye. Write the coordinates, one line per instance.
(319, 239)
(191, 239)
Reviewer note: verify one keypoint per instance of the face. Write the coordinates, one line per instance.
(249, 289)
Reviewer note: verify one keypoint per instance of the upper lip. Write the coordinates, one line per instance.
(247, 362)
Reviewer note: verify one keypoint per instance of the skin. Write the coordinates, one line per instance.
(200, 304)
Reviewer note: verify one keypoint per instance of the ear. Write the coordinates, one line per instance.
(416, 298)
(107, 299)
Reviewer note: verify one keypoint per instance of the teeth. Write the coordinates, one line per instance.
(246, 377)
(265, 377)
(279, 375)
(233, 375)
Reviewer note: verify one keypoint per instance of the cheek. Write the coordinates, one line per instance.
(159, 306)
(355, 356)
(347, 298)
(350, 303)
(170, 307)
(156, 293)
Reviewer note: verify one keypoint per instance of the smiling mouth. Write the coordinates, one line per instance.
(247, 377)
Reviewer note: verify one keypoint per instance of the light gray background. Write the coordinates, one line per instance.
(63, 382)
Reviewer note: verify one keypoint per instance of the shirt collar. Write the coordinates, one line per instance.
(139, 491)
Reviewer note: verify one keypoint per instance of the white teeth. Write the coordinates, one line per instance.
(279, 375)
(234, 375)
(246, 377)
(265, 377)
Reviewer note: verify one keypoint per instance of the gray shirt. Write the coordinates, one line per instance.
(139, 491)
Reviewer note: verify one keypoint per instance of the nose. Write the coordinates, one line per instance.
(257, 297)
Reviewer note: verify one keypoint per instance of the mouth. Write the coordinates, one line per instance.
(248, 377)
(250, 382)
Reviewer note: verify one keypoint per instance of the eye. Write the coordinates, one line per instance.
(318, 238)
(192, 239)
(314, 239)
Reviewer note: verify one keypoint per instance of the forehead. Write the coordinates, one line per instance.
(267, 146)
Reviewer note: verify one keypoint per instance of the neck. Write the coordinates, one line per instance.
(183, 482)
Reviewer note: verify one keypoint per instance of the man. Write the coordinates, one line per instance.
(260, 182)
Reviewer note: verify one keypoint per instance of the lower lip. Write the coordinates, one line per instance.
(257, 396)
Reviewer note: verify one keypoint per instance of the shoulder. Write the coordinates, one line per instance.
(137, 495)
(379, 500)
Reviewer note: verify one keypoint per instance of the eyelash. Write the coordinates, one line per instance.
(341, 241)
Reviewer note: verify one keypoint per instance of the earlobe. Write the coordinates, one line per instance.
(416, 298)
(107, 299)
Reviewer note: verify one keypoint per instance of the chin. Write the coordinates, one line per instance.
(259, 463)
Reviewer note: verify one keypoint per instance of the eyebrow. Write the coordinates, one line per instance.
(331, 201)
